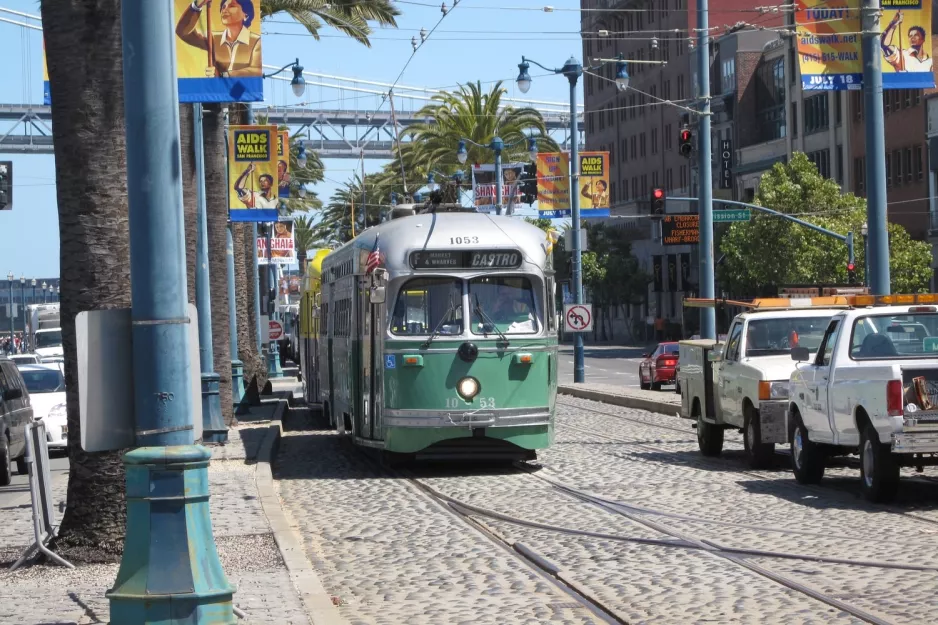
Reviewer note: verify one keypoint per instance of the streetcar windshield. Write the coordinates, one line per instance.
(424, 304)
(505, 302)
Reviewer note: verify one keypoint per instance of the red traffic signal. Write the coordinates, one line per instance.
(685, 145)
(658, 193)
(657, 201)
(851, 267)
(685, 135)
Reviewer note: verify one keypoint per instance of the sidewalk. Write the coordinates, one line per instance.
(666, 402)
(244, 516)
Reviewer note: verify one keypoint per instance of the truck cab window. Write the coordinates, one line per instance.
(731, 352)
(826, 349)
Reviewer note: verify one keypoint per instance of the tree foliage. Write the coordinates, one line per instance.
(350, 17)
(769, 251)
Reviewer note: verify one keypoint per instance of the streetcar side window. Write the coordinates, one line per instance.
(427, 304)
(505, 302)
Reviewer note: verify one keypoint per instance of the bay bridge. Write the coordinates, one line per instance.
(351, 117)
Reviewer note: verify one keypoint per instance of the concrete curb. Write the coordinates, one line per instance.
(316, 601)
(625, 401)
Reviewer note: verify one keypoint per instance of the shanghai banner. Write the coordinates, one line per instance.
(282, 248)
(483, 186)
(205, 69)
(252, 173)
(830, 48)
(283, 163)
(553, 185)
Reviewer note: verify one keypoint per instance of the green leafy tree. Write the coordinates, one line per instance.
(351, 17)
(769, 251)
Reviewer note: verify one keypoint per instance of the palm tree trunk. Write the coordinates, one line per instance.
(189, 200)
(255, 372)
(216, 177)
(83, 55)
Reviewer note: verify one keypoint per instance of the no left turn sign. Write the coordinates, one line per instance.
(578, 317)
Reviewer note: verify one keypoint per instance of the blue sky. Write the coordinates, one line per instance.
(476, 41)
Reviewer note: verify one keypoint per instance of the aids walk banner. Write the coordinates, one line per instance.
(218, 52)
(282, 246)
(483, 186)
(252, 173)
(283, 164)
(830, 47)
(553, 185)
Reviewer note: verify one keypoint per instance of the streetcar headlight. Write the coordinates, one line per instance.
(467, 388)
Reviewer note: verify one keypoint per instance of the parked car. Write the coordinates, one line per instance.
(24, 359)
(46, 386)
(15, 412)
(658, 367)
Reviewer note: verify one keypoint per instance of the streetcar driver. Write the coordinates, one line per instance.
(510, 313)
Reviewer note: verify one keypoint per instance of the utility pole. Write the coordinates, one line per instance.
(213, 423)
(170, 572)
(878, 240)
(573, 70)
(708, 324)
(257, 273)
(237, 367)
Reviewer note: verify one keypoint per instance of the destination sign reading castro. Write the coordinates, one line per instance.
(459, 259)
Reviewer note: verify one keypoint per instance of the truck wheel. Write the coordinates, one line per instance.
(760, 454)
(656, 386)
(21, 467)
(709, 437)
(6, 473)
(807, 459)
(879, 471)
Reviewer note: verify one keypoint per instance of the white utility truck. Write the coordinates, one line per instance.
(743, 383)
(45, 332)
(872, 389)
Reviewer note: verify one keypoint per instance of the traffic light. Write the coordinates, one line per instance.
(529, 184)
(6, 185)
(657, 202)
(852, 273)
(685, 145)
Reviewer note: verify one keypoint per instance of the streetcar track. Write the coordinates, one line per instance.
(524, 554)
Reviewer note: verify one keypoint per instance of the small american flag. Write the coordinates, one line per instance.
(374, 259)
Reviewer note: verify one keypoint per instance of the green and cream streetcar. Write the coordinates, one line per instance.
(438, 337)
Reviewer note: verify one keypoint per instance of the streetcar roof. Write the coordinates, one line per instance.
(439, 231)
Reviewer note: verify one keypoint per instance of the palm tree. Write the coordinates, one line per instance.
(350, 17)
(470, 113)
(83, 55)
(305, 239)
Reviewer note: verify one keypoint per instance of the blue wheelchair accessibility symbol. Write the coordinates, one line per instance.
(389, 362)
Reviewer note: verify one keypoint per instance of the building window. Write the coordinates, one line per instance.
(793, 64)
(858, 106)
(625, 150)
(838, 114)
(822, 159)
(669, 180)
(794, 119)
(896, 99)
(897, 167)
(666, 50)
(919, 163)
(683, 176)
(907, 164)
(907, 96)
(612, 193)
(816, 114)
(728, 77)
(770, 99)
(641, 144)
(654, 179)
(654, 140)
(888, 171)
(625, 191)
(632, 141)
(917, 97)
(634, 186)
(680, 87)
(859, 175)
(886, 101)
(668, 138)
(840, 165)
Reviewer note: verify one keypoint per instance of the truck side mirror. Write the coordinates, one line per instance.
(11, 394)
(800, 354)
(715, 354)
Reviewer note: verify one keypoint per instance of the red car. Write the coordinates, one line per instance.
(659, 367)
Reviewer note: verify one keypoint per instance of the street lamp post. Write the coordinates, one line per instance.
(23, 298)
(170, 572)
(497, 145)
(864, 230)
(34, 290)
(44, 287)
(12, 305)
(572, 69)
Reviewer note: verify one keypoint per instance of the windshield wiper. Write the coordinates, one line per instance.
(487, 319)
(443, 320)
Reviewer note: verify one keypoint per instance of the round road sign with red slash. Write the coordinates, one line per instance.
(275, 330)
(578, 317)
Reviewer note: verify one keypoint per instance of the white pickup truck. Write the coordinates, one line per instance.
(743, 384)
(872, 389)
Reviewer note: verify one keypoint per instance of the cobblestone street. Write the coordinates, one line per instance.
(621, 505)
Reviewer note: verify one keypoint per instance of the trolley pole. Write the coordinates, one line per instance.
(170, 572)
(708, 326)
(213, 423)
(572, 70)
(878, 240)
(257, 272)
(237, 367)
(497, 145)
